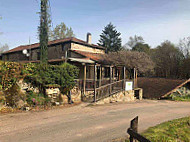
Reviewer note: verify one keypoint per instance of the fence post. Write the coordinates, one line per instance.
(134, 126)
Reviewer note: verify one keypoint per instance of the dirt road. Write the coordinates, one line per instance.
(87, 124)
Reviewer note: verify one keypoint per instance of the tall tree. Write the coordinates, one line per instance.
(61, 31)
(141, 47)
(184, 46)
(43, 35)
(168, 59)
(110, 38)
(133, 41)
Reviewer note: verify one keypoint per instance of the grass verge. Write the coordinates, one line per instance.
(177, 130)
(182, 98)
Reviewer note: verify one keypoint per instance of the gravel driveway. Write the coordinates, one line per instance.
(87, 124)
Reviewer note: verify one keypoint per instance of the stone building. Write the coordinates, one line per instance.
(85, 55)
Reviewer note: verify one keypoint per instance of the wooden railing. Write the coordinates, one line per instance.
(105, 91)
(108, 90)
(133, 132)
(89, 85)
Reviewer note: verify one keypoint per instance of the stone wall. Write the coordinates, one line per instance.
(124, 96)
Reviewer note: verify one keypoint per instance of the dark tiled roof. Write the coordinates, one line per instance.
(36, 45)
(156, 88)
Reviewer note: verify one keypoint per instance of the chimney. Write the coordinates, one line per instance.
(89, 38)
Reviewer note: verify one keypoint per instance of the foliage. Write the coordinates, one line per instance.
(43, 35)
(133, 41)
(61, 31)
(110, 38)
(10, 73)
(62, 75)
(13, 95)
(38, 75)
(168, 60)
(184, 47)
(34, 99)
(182, 94)
(131, 59)
(141, 47)
(175, 130)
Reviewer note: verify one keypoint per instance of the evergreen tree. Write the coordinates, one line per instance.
(44, 32)
(110, 38)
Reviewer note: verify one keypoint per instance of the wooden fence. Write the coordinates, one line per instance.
(133, 132)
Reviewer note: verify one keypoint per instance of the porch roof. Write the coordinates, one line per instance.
(96, 57)
(81, 60)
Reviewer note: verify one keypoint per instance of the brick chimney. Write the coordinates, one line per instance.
(89, 38)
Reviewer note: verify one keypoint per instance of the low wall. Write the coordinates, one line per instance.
(124, 96)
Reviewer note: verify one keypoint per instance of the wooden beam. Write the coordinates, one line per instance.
(134, 76)
(137, 136)
(110, 90)
(100, 79)
(124, 77)
(84, 80)
(95, 72)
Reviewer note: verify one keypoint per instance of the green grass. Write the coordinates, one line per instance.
(177, 130)
(182, 98)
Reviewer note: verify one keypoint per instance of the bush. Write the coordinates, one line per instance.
(43, 75)
(34, 99)
(38, 75)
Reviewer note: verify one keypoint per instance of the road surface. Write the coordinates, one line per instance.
(87, 123)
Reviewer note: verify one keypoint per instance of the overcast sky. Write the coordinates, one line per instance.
(154, 20)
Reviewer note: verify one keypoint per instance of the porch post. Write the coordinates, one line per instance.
(110, 79)
(100, 79)
(84, 80)
(95, 82)
(124, 77)
(134, 79)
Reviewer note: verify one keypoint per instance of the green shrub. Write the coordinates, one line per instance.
(34, 99)
(38, 75)
(43, 75)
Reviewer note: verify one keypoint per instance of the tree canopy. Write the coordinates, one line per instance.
(168, 59)
(131, 59)
(61, 31)
(141, 47)
(110, 38)
(133, 41)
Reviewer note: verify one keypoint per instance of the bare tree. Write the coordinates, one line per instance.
(131, 59)
(133, 41)
(4, 48)
(184, 46)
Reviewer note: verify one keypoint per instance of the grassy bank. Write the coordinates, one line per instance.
(177, 130)
(182, 98)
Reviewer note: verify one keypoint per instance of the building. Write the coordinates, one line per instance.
(94, 71)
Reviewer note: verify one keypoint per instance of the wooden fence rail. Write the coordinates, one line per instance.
(133, 132)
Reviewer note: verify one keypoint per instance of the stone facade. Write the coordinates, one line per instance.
(124, 96)
(27, 87)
